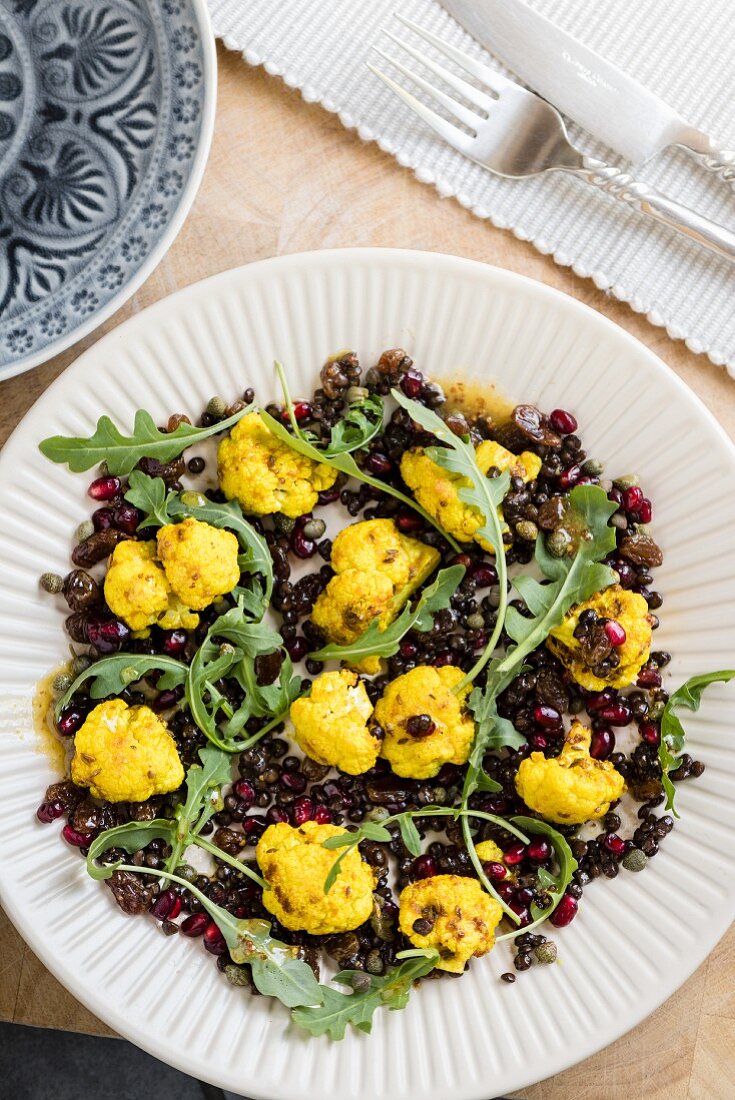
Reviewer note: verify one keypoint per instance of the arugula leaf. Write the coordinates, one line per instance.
(673, 737)
(410, 835)
(122, 453)
(362, 421)
(276, 969)
(131, 837)
(342, 462)
(111, 675)
(162, 507)
(553, 884)
(204, 783)
(384, 643)
(338, 1009)
(262, 700)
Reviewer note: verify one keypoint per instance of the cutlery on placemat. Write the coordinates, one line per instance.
(515, 133)
(609, 103)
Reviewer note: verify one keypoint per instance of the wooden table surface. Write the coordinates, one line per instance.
(283, 177)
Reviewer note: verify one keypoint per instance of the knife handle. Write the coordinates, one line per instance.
(639, 196)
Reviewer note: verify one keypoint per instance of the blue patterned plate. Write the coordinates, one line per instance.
(106, 116)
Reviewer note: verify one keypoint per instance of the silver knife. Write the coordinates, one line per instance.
(608, 103)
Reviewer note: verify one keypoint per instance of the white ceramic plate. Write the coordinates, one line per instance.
(637, 939)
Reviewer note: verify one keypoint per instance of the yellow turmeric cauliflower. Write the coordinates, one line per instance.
(454, 915)
(125, 754)
(436, 489)
(425, 694)
(295, 866)
(489, 852)
(571, 788)
(266, 475)
(377, 569)
(630, 610)
(138, 592)
(330, 724)
(200, 561)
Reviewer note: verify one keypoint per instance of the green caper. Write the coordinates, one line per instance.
(355, 394)
(216, 407)
(314, 529)
(361, 982)
(527, 530)
(475, 621)
(558, 542)
(61, 683)
(284, 525)
(655, 710)
(374, 963)
(84, 530)
(79, 664)
(236, 975)
(546, 952)
(592, 467)
(51, 582)
(187, 872)
(627, 481)
(377, 813)
(635, 860)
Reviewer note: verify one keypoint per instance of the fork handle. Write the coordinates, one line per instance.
(639, 196)
(718, 162)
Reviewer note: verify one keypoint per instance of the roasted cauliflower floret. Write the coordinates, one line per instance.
(583, 647)
(125, 754)
(452, 914)
(295, 866)
(377, 570)
(138, 592)
(425, 724)
(266, 475)
(200, 561)
(437, 489)
(330, 724)
(489, 852)
(571, 788)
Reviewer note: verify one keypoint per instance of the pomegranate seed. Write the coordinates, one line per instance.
(245, 791)
(301, 546)
(514, 855)
(167, 699)
(614, 844)
(423, 867)
(104, 488)
(378, 464)
(615, 633)
(174, 642)
(565, 912)
(302, 810)
(446, 657)
(505, 890)
(462, 559)
(254, 827)
(301, 410)
(164, 905)
(570, 476)
(484, 575)
(194, 925)
(497, 806)
(650, 733)
(520, 911)
(294, 781)
(275, 816)
(49, 811)
(602, 743)
(214, 941)
(538, 742)
(127, 517)
(548, 717)
(412, 384)
(539, 849)
(598, 700)
(616, 714)
(323, 815)
(563, 422)
(107, 635)
(524, 895)
(495, 871)
(409, 522)
(649, 678)
(328, 496)
(75, 838)
(297, 648)
(408, 649)
(70, 720)
(102, 519)
(632, 498)
(645, 511)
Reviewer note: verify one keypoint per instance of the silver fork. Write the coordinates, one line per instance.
(515, 133)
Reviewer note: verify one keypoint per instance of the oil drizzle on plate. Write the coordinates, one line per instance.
(48, 742)
(479, 399)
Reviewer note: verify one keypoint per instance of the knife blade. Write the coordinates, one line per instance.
(607, 102)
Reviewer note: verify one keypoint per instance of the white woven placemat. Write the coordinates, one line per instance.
(683, 50)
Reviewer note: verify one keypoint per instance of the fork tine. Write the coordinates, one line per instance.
(445, 129)
(480, 99)
(482, 72)
(469, 118)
